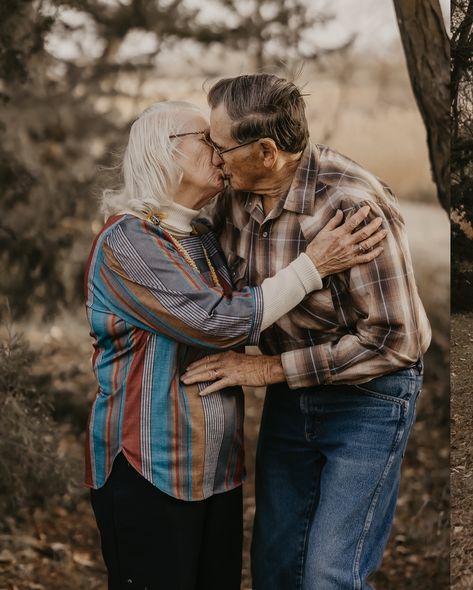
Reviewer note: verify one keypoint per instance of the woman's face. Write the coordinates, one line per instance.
(201, 178)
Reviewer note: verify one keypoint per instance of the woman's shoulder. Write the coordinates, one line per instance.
(132, 227)
(131, 235)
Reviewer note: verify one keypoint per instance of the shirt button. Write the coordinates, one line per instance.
(265, 234)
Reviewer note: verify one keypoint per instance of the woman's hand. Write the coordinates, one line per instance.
(233, 368)
(337, 248)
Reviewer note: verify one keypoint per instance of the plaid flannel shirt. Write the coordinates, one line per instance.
(365, 322)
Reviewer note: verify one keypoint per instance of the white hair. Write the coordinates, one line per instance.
(150, 172)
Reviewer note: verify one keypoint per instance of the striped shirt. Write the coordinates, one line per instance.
(365, 322)
(151, 314)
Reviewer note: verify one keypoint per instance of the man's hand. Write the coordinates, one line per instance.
(338, 247)
(233, 368)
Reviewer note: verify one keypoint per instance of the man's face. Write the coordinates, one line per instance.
(242, 167)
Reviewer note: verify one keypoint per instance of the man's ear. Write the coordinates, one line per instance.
(269, 152)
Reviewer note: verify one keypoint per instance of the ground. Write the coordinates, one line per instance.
(461, 452)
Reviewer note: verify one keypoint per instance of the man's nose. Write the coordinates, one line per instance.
(216, 159)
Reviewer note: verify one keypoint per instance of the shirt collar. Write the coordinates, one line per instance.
(301, 195)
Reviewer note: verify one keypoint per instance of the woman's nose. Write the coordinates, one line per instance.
(216, 159)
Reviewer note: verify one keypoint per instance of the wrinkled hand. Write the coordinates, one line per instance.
(233, 368)
(337, 248)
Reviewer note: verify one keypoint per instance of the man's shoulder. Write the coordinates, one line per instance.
(342, 179)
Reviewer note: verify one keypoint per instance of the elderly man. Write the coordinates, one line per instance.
(343, 369)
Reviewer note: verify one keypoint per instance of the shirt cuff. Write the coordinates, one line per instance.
(255, 330)
(306, 367)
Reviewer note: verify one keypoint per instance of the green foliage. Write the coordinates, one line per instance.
(30, 469)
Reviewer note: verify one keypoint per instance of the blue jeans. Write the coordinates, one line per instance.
(327, 479)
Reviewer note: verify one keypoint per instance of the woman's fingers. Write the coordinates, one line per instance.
(368, 230)
(366, 245)
(369, 256)
(354, 221)
(335, 221)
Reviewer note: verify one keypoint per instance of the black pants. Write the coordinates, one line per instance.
(151, 541)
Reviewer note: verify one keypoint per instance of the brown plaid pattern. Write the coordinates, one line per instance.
(365, 322)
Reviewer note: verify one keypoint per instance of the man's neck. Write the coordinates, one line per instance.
(273, 188)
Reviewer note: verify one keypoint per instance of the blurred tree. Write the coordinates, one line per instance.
(427, 53)
(275, 31)
(462, 153)
(57, 67)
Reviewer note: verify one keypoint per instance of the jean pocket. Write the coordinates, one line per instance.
(398, 387)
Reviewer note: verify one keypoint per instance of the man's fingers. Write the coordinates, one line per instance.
(367, 230)
(369, 256)
(208, 362)
(217, 386)
(335, 221)
(198, 376)
(356, 219)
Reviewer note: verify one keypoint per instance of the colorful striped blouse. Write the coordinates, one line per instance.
(151, 314)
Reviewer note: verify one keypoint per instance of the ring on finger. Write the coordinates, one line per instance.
(361, 248)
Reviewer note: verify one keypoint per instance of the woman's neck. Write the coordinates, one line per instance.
(177, 219)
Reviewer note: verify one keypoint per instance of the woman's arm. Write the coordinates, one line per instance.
(141, 277)
(144, 279)
(337, 247)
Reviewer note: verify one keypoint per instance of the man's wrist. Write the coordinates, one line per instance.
(275, 370)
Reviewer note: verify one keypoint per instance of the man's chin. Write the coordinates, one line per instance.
(231, 183)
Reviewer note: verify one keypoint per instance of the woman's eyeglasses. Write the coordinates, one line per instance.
(219, 151)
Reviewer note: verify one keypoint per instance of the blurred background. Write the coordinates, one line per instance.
(73, 75)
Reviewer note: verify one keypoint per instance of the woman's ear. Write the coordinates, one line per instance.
(268, 151)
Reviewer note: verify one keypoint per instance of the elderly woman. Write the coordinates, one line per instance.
(165, 464)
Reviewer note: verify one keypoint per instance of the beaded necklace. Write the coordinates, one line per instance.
(155, 218)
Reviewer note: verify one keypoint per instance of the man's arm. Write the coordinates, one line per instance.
(391, 333)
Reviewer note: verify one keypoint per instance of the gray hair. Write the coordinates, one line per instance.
(263, 105)
(149, 169)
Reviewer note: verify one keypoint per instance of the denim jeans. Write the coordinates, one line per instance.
(327, 479)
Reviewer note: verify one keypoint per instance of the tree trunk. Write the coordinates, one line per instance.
(427, 51)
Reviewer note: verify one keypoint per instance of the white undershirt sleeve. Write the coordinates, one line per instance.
(288, 287)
